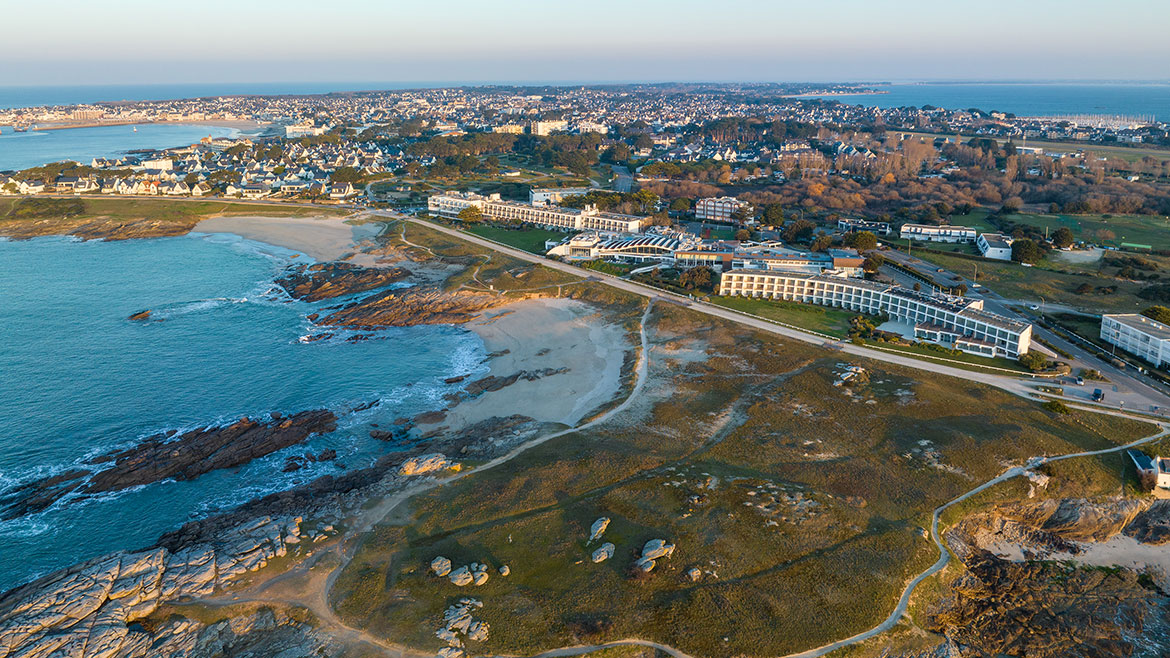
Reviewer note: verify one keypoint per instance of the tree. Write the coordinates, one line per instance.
(1026, 251)
(643, 141)
(1033, 361)
(681, 204)
(1062, 237)
(1158, 314)
(345, 175)
(470, 215)
(697, 278)
(861, 240)
(743, 235)
(821, 243)
(801, 229)
(873, 262)
(773, 214)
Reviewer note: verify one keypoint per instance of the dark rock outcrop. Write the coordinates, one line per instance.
(329, 280)
(166, 455)
(140, 316)
(411, 307)
(495, 382)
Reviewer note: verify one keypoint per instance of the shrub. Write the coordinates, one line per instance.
(1057, 407)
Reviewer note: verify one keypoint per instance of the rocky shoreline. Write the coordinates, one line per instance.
(171, 455)
(131, 603)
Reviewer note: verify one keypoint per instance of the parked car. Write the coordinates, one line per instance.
(1098, 395)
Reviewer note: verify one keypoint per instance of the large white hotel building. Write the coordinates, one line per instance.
(496, 209)
(952, 321)
(1145, 338)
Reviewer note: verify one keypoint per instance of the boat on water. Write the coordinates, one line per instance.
(135, 128)
(20, 129)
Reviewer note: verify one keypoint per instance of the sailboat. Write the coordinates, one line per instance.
(135, 128)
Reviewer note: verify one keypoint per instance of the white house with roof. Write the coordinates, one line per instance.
(995, 245)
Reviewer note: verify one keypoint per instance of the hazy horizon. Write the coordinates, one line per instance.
(532, 42)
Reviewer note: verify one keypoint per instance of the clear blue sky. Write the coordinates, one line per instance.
(135, 41)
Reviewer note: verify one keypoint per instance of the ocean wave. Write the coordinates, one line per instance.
(281, 255)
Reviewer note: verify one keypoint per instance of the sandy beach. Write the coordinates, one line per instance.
(545, 333)
(321, 238)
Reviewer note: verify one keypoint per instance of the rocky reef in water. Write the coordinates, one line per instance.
(412, 307)
(96, 228)
(170, 455)
(329, 280)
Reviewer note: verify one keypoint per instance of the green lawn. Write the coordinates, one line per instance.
(976, 219)
(1015, 281)
(529, 239)
(1111, 230)
(806, 316)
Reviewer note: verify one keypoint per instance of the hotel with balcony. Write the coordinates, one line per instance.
(954, 322)
(571, 219)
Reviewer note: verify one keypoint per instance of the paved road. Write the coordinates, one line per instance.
(1008, 383)
(623, 181)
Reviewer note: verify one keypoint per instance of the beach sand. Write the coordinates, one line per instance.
(321, 238)
(538, 334)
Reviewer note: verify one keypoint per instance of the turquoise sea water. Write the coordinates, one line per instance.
(1026, 99)
(77, 379)
(34, 148)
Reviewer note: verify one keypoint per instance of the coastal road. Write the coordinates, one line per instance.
(1012, 384)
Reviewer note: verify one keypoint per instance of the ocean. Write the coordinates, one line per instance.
(35, 148)
(1025, 99)
(77, 379)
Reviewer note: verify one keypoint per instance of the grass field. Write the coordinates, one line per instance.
(1111, 230)
(178, 210)
(816, 318)
(802, 502)
(1015, 281)
(529, 239)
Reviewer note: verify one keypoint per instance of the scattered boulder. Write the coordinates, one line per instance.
(657, 548)
(140, 316)
(461, 577)
(604, 552)
(441, 566)
(505, 570)
(694, 574)
(598, 528)
(457, 620)
(479, 573)
(653, 550)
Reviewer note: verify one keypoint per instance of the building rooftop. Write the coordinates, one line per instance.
(1143, 324)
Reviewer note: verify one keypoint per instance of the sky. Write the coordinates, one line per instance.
(470, 41)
